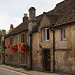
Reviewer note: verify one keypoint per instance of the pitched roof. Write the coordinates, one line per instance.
(63, 13)
(66, 12)
(38, 18)
(65, 19)
(22, 27)
(52, 17)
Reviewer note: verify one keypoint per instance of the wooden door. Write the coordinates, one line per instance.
(47, 60)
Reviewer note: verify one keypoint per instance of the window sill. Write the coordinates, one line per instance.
(63, 40)
(46, 41)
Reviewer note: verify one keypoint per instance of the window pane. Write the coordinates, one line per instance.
(64, 34)
(22, 38)
(47, 34)
(11, 40)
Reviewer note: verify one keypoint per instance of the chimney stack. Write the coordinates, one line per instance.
(11, 27)
(3, 34)
(25, 17)
(32, 14)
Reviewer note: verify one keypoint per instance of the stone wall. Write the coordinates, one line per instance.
(38, 45)
(17, 58)
(65, 49)
(34, 50)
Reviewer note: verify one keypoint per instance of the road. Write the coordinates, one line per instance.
(4, 71)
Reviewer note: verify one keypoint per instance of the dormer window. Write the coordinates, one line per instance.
(45, 34)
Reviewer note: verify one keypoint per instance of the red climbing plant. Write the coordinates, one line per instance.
(6, 54)
(24, 47)
(13, 47)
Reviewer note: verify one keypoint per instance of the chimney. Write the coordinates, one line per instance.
(3, 34)
(25, 17)
(32, 14)
(11, 27)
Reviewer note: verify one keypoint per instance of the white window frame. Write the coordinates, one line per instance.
(44, 35)
(63, 38)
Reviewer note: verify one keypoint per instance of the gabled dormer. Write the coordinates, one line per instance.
(48, 20)
(45, 22)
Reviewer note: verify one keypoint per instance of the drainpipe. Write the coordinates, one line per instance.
(53, 49)
(31, 51)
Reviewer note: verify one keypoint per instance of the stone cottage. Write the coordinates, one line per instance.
(2, 47)
(51, 37)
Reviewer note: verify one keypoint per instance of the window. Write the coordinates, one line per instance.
(22, 38)
(11, 40)
(45, 34)
(63, 34)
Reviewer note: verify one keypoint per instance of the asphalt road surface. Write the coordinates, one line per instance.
(4, 71)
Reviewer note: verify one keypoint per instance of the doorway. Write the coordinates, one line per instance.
(47, 60)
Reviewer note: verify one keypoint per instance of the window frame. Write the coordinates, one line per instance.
(63, 34)
(22, 38)
(44, 35)
(11, 40)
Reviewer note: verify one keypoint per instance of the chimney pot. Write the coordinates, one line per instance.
(25, 15)
(11, 27)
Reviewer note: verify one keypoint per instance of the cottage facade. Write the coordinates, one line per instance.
(51, 37)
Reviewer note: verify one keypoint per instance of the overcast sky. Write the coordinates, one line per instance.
(12, 11)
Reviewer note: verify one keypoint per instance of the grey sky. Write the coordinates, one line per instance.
(12, 11)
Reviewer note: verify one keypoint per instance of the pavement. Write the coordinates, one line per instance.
(4, 71)
(31, 72)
